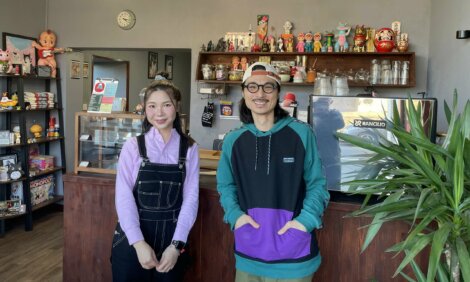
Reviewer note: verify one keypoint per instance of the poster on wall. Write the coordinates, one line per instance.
(20, 51)
(103, 95)
(169, 66)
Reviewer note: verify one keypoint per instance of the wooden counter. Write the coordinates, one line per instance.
(90, 218)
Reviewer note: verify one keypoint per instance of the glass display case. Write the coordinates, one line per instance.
(99, 138)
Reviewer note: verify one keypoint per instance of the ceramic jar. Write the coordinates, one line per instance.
(384, 40)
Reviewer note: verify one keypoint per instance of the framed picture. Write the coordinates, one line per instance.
(6, 160)
(169, 66)
(75, 69)
(85, 70)
(152, 65)
(21, 51)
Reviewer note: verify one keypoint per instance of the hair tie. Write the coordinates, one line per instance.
(159, 77)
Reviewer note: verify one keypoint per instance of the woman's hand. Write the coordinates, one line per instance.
(146, 255)
(292, 224)
(246, 219)
(169, 259)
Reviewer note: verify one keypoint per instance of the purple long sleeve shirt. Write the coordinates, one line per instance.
(157, 152)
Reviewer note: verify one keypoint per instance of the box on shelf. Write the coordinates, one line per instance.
(41, 162)
(44, 71)
(42, 189)
(208, 159)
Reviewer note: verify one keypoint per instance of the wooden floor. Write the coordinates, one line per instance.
(35, 255)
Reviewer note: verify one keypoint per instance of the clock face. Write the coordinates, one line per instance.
(126, 19)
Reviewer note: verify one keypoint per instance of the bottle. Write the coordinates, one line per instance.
(396, 72)
(375, 72)
(311, 75)
(404, 75)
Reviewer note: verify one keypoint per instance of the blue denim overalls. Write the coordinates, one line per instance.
(158, 193)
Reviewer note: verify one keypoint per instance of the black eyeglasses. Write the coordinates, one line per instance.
(268, 88)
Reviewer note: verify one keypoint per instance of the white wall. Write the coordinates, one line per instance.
(449, 58)
(189, 24)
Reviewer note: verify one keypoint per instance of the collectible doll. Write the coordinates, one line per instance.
(300, 42)
(317, 42)
(46, 50)
(308, 42)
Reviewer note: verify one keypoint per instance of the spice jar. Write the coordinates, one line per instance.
(207, 71)
(221, 72)
(311, 75)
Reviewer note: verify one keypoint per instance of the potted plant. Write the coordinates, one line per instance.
(425, 184)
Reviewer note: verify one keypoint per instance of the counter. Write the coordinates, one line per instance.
(90, 218)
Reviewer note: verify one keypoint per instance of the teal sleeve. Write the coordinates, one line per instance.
(226, 185)
(317, 196)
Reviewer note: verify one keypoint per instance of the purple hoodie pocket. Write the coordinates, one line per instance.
(264, 243)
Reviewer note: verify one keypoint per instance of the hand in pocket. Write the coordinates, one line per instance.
(292, 224)
(246, 219)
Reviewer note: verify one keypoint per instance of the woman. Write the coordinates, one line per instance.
(156, 193)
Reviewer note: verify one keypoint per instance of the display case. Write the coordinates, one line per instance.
(99, 138)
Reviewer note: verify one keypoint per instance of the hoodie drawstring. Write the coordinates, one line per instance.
(269, 153)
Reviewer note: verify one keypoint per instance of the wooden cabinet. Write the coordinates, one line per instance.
(330, 61)
(90, 218)
(34, 107)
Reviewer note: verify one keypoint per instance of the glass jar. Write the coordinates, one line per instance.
(207, 71)
(375, 72)
(311, 75)
(404, 75)
(221, 72)
(396, 65)
(386, 72)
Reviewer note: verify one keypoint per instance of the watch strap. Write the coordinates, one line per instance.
(179, 245)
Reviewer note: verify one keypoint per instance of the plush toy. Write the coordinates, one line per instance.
(46, 50)
(5, 66)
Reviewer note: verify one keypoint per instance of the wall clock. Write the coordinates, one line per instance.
(126, 19)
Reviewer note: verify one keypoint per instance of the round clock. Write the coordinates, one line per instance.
(126, 19)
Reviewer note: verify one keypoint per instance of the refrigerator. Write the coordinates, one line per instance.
(362, 117)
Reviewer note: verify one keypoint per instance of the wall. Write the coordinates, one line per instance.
(162, 25)
(449, 57)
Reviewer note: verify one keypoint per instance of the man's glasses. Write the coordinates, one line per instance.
(268, 88)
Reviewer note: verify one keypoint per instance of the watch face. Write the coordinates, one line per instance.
(126, 19)
(15, 175)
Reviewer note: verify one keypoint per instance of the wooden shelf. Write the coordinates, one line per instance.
(46, 140)
(11, 180)
(12, 215)
(54, 200)
(46, 172)
(344, 61)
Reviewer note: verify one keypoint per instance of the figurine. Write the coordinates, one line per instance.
(26, 69)
(36, 129)
(209, 46)
(287, 27)
(396, 27)
(272, 43)
(317, 42)
(5, 65)
(262, 28)
(342, 43)
(46, 50)
(359, 39)
(290, 44)
(286, 35)
(300, 42)
(220, 45)
(17, 133)
(265, 47)
(329, 41)
(280, 45)
(7, 103)
(231, 47)
(308, 42)
(384, 40)
(403, 43)
(235, 62)
(203, 48)
(370, 33)
(244, 63)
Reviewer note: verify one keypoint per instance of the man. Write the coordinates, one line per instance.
(271, 185)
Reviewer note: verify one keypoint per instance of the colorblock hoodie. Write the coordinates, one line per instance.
(274, 177)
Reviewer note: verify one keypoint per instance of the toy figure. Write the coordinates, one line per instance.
(308, 42)
(262, 28)
(280, 45)
(384, 40)
(235, 62)
(203, 48)
(209, 46)
(221, 45)
(329, 42)
(5, 66)
(287, 27)
(244, 63)
(359, 39)
(317, 42)
(272, 43)
(7, 103)
(403, 43)
(300, 42)
(370, 32)
(46, 50)
(290, 44)
(231, 47)
(342, 43)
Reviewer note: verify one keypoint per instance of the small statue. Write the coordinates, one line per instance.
(265, 47)
(342, 43)
(231, 47)
(300, 47)
(370, 33)
(235, 62)
(47, 49)
(308, 42)
(403, 43)
(209, 46)
(244, 63)
(287, 27)
(359, 39)
(317, 42)
(272, 43)
(203, 48)
(280, 45)
(290, 44)
(220, 45)
(5, 65)
(329, 41)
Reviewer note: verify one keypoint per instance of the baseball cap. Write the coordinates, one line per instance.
(261, 68)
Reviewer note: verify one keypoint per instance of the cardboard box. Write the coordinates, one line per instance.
(41, 162)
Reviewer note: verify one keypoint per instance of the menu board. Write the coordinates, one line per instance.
(103, 95)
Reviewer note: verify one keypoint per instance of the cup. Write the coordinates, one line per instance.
(322, 86)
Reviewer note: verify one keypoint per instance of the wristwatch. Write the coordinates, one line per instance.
(179, 245)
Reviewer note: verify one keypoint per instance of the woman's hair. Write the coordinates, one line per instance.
(247, 117)
(175, 96)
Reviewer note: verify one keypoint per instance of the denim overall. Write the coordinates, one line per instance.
(158, 193)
